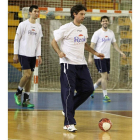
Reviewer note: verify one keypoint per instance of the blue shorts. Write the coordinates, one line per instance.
(103, 65)
(27, 62)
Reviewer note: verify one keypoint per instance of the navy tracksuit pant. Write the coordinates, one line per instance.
(74, 77)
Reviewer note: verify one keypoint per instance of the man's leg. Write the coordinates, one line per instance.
(28, 84)
(98, 64)
(84, 86)
(104, 77)
(104, 80)
(103, 67)
(27, 87)
(67, 92)
(25, 78)
(98, 83)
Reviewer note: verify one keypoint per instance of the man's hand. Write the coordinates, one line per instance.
(100, 55)
(123, 55)
(61, 55)
(15, 58)
(90, 60)
(39, 60)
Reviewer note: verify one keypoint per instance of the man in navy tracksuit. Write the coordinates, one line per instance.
(74, 71)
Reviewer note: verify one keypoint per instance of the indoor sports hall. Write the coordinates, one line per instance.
(45, 121)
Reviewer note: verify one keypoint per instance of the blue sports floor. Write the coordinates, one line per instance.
(52, 101)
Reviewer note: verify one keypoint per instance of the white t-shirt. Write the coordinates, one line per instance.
(72, 39)
(28, 39)
(103, 40)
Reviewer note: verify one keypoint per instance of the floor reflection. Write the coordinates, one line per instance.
(104, 136)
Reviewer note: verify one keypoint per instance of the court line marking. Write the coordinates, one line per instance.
(13, 139)
(108, 113)
(113, 114)
(79, 111)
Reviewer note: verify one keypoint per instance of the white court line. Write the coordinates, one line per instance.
(106, 112)
(113, 114)
(13, 139)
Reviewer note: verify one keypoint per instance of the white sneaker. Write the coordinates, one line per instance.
(70, 128)
(63, 113)
(65, 127)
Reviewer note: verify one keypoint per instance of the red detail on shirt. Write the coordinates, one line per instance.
(33, 29)
(106, 36)
(80, 35)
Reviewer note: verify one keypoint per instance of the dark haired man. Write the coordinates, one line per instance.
(74, 71)
(101, 42)
(27, 46)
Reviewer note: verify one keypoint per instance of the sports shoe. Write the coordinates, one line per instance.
(92, 95)
(27, 104)
(63, 113)
(17, 99)
(106, 99)
(65, 127)
(70, 128)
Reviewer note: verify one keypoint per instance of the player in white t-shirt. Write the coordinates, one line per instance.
(27, 46)
(74, 71)
(101, 42)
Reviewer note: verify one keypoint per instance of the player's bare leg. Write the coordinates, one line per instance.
(26, 76)
(98, 83)
(28, 84)
(104, 79)
(27, 87)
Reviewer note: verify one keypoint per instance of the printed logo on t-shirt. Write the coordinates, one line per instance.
(31, 32)
(79, 30)
(79, 39)
(106, 39)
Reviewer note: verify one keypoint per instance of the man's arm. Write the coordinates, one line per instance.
(39, 60)
(89, 49)
(16, 47)
(90, 59)
(38, 51)
(16, 43)
(118, 49)
(56, 48)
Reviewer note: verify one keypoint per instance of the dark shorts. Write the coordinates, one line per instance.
(27, 62)
(103, 65)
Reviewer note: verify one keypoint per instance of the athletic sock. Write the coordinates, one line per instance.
(19, 91)
(95, 86)
(26, 96)
(27, 93)
(104, 93)
(20, 88)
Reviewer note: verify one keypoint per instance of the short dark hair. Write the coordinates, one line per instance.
(33, 7)
(76, 9)
(104, 17)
